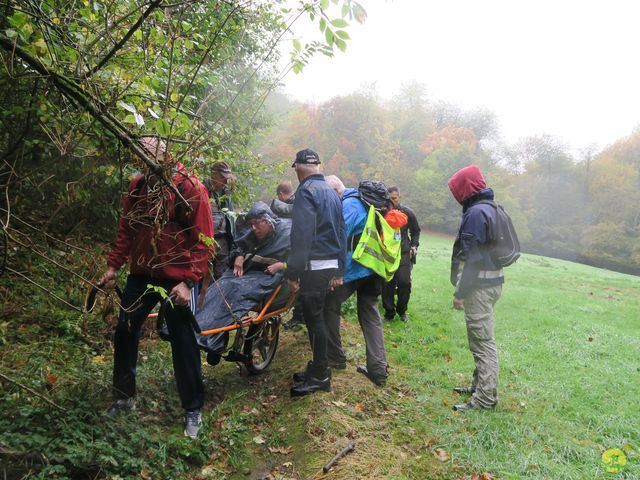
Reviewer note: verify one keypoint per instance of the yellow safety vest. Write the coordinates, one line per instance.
(380, 253)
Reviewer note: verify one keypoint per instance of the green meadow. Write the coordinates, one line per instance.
(569, 345)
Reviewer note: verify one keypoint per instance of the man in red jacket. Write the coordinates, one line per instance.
(161, 236)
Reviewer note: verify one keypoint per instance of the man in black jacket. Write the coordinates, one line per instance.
(401, 281)
(316, 262)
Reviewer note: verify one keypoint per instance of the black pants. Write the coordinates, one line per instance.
(184, 348)
(313, 290)
(401, 282)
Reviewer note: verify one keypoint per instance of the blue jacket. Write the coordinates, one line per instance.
(317, 230)
(355, 218)
(472, 246)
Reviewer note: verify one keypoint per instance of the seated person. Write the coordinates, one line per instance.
(258, 260)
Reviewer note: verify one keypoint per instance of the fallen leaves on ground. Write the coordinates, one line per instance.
(441, 454)
(281, 450)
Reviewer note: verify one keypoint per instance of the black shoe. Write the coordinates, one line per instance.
(377, 379)
(464, 390)
(302, 376)
(213, 358)
(311, 385)
(293, 323)
(404, 317)
(389, 316)
(337, 365)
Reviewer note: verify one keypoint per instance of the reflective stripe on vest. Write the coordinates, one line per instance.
(379, 252)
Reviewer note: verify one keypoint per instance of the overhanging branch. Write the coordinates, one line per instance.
(74, 92)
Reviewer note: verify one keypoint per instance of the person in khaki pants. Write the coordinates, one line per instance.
(478, 281)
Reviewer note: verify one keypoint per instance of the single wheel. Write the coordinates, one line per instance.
(261, 344)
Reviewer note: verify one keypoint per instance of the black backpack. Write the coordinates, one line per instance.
(376, 194)
(504, 246)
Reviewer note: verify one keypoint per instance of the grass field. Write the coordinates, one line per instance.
(569, 344)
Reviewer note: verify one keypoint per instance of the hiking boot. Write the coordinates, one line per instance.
(471, 406)
(464, 390)
(120, 406)
(192, 422)
(310, 385)
(379, 380)
(404, 317)
(388, 316)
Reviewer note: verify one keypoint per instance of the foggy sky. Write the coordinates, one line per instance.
(566, 67)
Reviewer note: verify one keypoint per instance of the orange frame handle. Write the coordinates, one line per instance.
(263, 315)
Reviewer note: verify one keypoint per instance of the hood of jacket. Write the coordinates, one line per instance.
(466, 182)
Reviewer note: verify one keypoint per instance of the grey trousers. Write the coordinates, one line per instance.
(367, 291)
(478, 314)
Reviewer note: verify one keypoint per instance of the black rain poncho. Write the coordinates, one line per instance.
(230, 297)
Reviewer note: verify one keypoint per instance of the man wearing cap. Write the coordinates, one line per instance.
(316, 262)
(220, 186)
(282, 205)
(160, 236)
(478, 281)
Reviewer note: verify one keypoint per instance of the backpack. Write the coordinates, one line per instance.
(375, 194)
(504, 243)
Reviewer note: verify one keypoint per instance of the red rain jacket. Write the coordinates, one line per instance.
(175, 251)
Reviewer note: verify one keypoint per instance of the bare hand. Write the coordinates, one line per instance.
(275, 268)
(182, 293)
(294, 285)
(458, 303)
(108, 278)
(238, 266)
(335, 282)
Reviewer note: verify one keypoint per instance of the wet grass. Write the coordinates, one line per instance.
(569, 344)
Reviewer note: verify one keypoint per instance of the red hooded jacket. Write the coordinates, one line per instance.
(466, 182)
(164, 242)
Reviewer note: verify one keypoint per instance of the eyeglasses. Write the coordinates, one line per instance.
(255, 223)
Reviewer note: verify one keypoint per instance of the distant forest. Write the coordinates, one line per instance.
(581, 208)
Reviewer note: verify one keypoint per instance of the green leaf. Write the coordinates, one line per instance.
(323, 24)
(324, 4)
(328, 35)
(339, 23)
(342, 34)
(18, 19)
(345, 10)
(341, 44)
(296, 45)
(163, 128)
(11, 33)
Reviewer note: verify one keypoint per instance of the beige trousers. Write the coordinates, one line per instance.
(478, 314)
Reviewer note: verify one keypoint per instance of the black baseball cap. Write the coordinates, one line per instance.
(306, 156)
